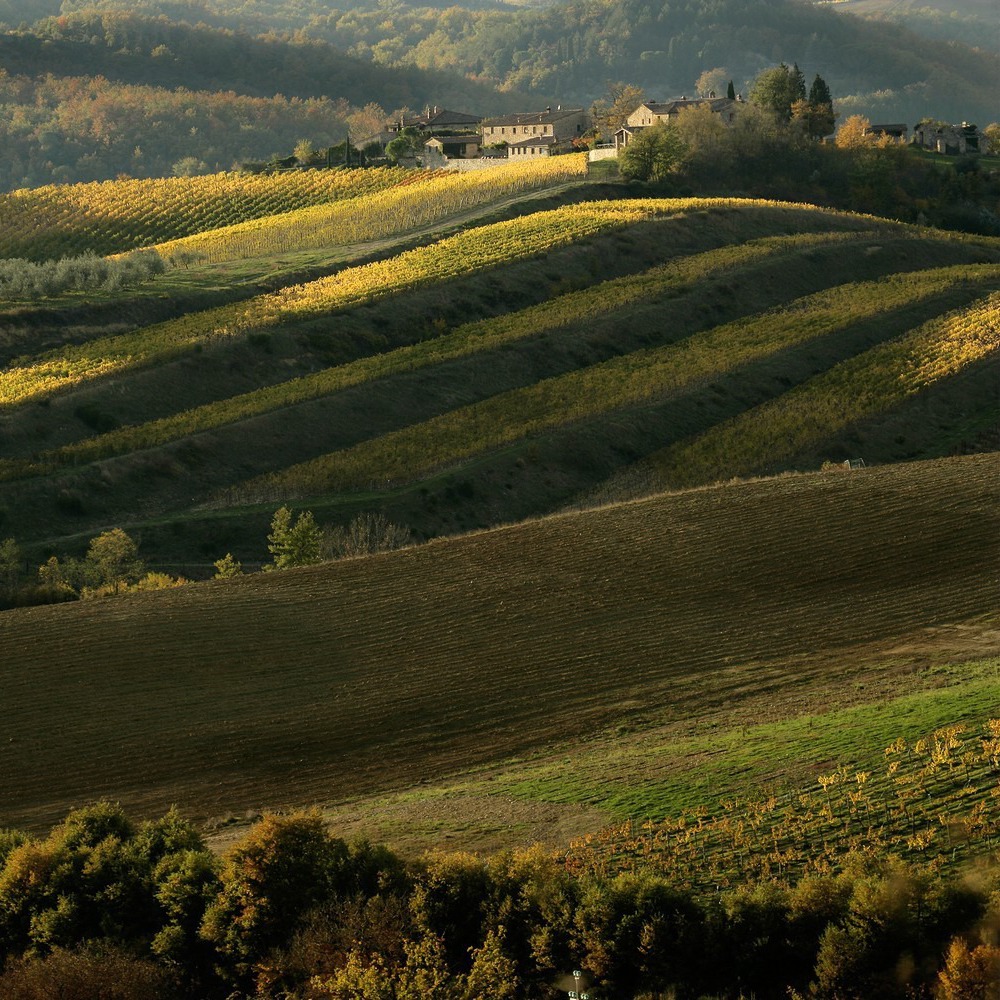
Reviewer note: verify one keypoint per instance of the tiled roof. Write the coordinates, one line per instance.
(535, 140)
(534, 117)
(672, 107)
(455, 140)
(440, 117)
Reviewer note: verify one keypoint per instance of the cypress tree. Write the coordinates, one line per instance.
(798, 83)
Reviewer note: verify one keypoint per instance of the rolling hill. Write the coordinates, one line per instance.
(460, 352)
(975, 23)
(551, 348)
(594, 636)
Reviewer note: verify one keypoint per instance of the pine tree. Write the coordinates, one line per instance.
(798, 82)
(295, 544)
(819, 92)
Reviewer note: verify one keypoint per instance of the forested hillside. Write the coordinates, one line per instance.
(570, 51)
(973, 22)
(91, 97)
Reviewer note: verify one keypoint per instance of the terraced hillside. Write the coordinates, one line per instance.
(585, 636)
(457, 369)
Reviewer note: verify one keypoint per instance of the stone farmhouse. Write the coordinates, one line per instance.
(447, 135)
(451, 136)
(953, 140)
(654, 112)
(535, 133)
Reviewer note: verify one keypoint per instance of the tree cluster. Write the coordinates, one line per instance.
(302, 542)
(146, 912)
(782, 91)
(771, 151)
(112, 565)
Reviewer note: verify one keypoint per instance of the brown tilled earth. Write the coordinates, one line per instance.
(368, 677)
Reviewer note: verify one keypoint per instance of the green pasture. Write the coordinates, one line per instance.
(640, 777)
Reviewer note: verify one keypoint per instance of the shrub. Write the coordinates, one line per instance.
(105, 974)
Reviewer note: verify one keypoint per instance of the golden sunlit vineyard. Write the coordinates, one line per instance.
(110, 217)
(431, 197)
(464, 253)
(933, 800)
(482, 335)
(857, 389)
(66, 367)
(442, 382)
(632, 379)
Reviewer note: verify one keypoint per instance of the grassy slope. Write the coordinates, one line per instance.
(592, 640)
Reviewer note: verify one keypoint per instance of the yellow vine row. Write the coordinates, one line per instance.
(860, 387)
(411, 452)
(480, 335)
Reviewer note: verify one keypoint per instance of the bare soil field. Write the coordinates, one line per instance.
(372, 676)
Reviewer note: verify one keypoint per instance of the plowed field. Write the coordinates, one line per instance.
(371, 675)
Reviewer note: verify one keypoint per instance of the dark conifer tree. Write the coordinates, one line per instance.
(819, 92)
(798, 83)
